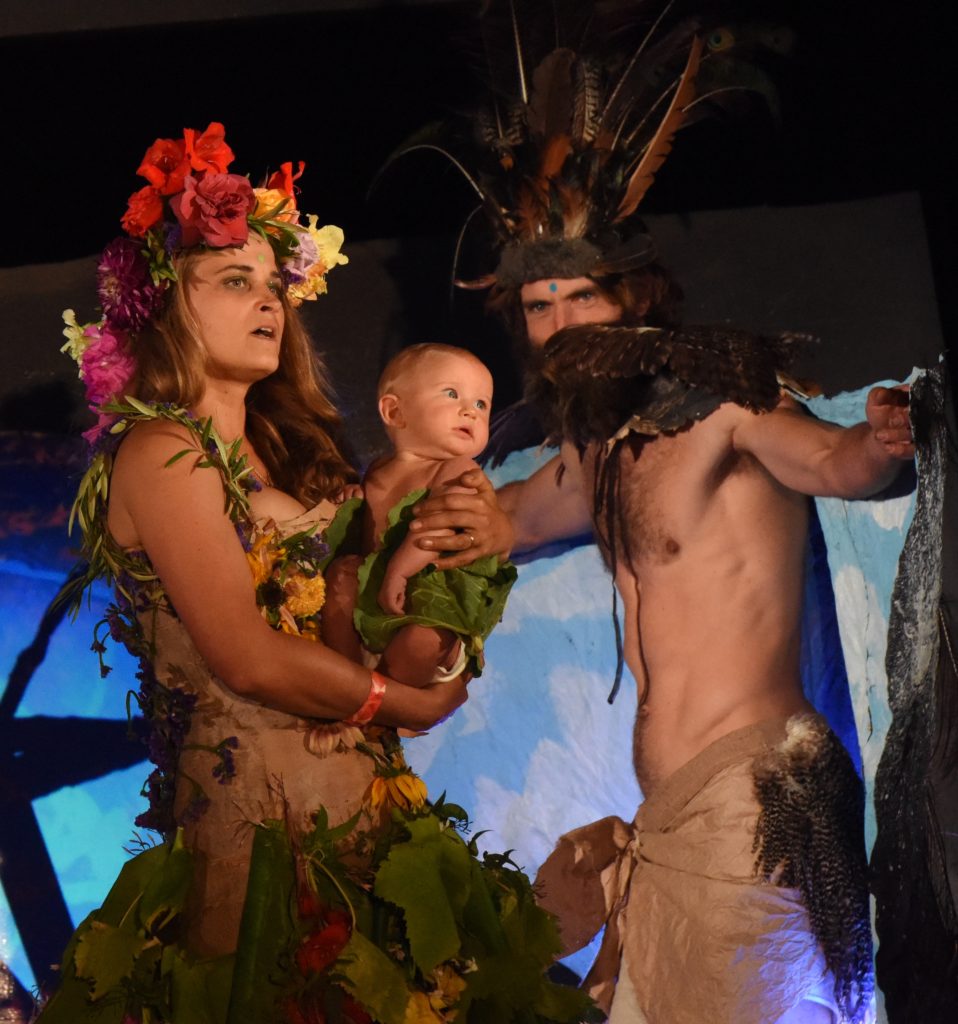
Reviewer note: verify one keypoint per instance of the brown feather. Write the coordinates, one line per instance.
(551, 101)
(554, 153)
(661, 144)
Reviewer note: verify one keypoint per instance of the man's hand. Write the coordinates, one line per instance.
(886, 411)
(482, 528)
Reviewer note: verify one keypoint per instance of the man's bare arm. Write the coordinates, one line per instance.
(550, 505)
(822, 459)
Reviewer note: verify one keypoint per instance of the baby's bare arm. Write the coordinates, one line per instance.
(409, 558)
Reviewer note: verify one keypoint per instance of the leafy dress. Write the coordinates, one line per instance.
(303, 877)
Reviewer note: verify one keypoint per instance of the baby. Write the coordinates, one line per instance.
(434, 401)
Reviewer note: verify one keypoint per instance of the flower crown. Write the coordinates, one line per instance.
(191, 200)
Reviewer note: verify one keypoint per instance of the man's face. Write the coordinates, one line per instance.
(551, 304)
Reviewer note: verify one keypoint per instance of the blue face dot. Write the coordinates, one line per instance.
(553, 287)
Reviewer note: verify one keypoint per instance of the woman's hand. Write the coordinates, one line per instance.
(433, 704)
(482, 528)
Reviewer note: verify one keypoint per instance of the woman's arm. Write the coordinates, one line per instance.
(175, 513)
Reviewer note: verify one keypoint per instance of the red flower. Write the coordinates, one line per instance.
(213, 209)
(165, 165)
(319, 949)
(308, 903)
(282, 180)
(208, 152)
(144, 209)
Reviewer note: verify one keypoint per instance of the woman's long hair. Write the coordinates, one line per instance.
(290, 417)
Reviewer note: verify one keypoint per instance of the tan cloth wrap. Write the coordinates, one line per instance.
(706, 937)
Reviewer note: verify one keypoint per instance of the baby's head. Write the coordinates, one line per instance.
(435, 401)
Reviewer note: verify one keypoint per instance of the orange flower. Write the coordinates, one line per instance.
(282, 180)
(144, 209)
(164, 165)
(208, 152)
(404, 790)
(305, 594)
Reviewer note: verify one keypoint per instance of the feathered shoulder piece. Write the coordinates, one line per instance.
(597, 382)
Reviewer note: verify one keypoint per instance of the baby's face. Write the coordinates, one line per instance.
(444, 402)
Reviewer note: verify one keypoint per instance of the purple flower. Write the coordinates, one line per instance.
(128, 296)
(300, 258)
(225, 770)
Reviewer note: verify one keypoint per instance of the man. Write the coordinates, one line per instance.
(738, 893)
(710, 525)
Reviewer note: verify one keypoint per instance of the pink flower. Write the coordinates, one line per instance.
(213, 210)
(107, 367)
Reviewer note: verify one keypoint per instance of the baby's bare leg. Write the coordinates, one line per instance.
(415, 652)
(342, 589)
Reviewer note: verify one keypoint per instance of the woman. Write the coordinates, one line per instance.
(303, 878)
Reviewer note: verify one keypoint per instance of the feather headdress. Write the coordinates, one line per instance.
(586, 102)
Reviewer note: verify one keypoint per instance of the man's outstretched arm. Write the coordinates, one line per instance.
(825, 460)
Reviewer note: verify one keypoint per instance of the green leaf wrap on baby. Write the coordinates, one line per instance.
(469, 601)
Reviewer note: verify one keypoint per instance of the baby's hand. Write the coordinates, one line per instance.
(392, 594)
(349, 491)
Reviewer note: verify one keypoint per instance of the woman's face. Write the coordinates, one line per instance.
(235, 295)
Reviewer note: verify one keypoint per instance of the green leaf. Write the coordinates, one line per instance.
(165, 894)
(469, 601)
(374, 979)
(479, 913)
(344, 534)
(105, 955)
(130, 885)
(148, 411)
(201, 989)
(266, 927)
(178, 456)
(428, 879)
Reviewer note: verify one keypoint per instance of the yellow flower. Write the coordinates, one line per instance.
(77, 342)
(449, 987)
(328, 240)
(403, 790)
(419, 1011)
(261, 559)
(305, 594)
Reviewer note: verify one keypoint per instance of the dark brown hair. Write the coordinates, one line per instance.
(291, 420)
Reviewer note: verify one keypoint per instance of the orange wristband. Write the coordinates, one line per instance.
(365, 713)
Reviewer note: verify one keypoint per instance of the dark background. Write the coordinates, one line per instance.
(866, 110)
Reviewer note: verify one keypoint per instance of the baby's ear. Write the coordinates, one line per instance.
(390, 410)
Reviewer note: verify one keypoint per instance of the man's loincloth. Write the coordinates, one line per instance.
(738, 888)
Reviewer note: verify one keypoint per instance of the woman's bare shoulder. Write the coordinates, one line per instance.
(151, 444)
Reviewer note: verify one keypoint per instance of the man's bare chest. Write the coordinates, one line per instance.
(657, 493)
